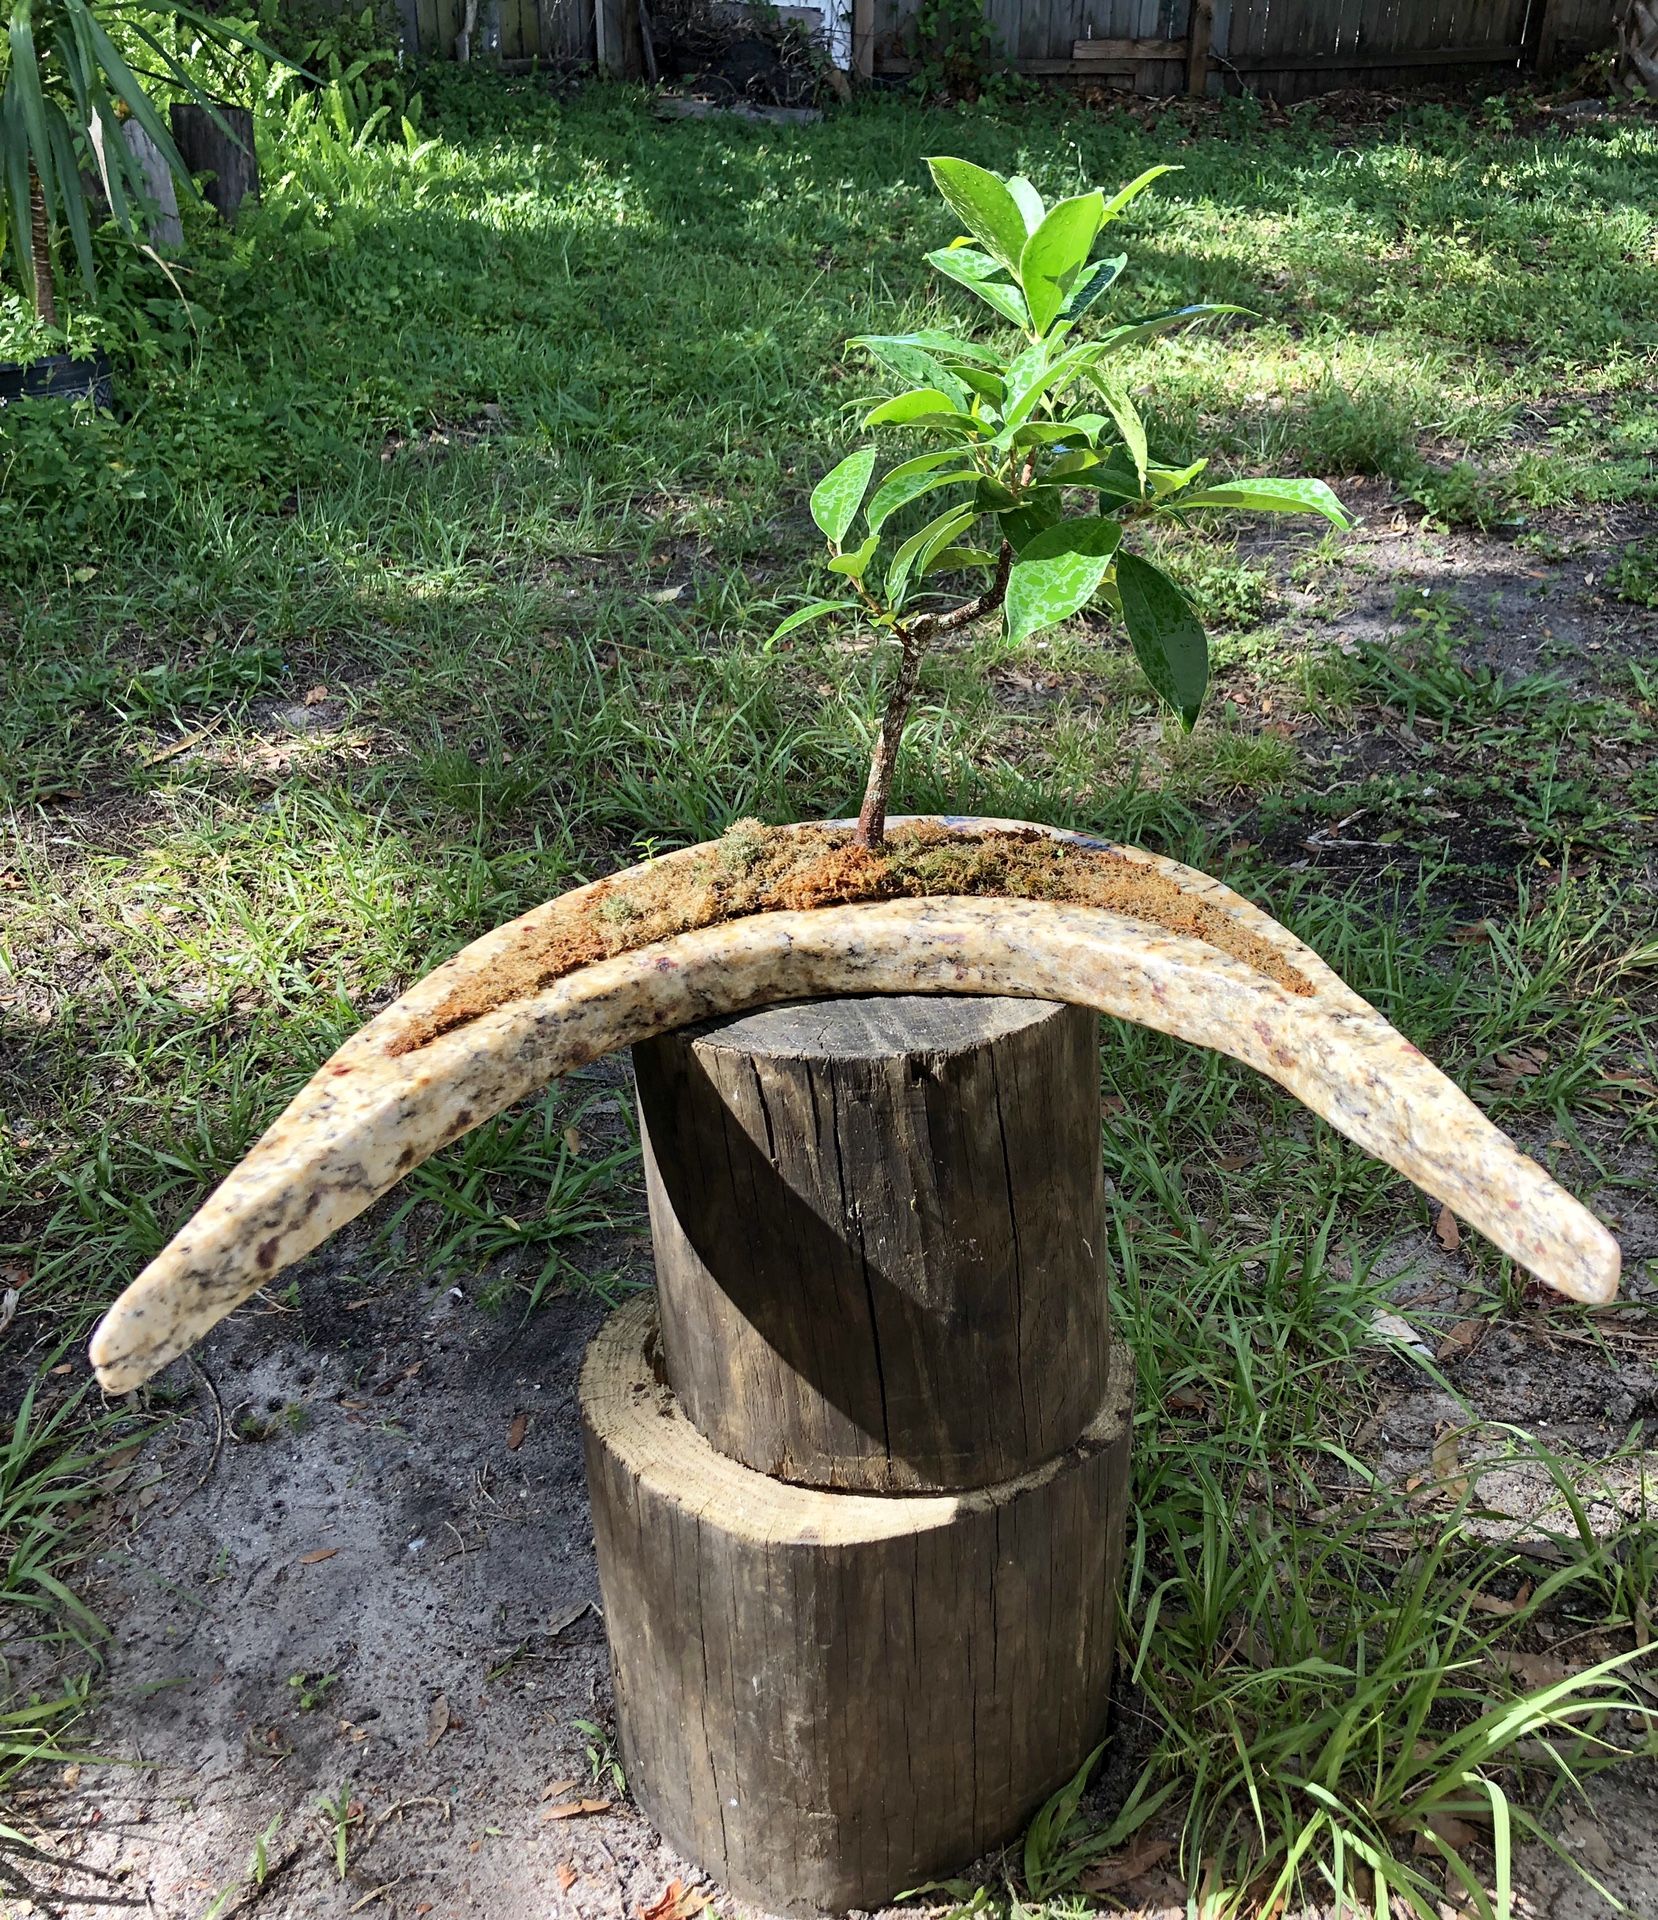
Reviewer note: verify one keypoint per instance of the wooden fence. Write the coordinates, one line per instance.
(1286, 48)
(599, 33)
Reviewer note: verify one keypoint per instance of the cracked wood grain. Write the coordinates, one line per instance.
(879, 1232)
(825, 1698)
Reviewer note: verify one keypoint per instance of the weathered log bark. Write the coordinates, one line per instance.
(826, 1698)
(229, 160)
(880, 1236)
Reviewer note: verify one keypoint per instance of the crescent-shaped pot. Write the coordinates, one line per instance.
(407, 1084)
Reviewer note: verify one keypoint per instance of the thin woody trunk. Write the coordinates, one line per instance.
(872, 816)
(40, 235)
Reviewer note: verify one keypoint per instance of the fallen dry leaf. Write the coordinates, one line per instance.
(1105, 1875)
(1186, 1400)
(569, 1809)
(1456, 1834)
(674, 1903)
(1461, 1339)
(516, 1429)
(1494, 1603)
(1446, 1459)
(319, 1553)
(557, 1790)
(1535, 1669)
(1635, 1083)
(1523, 1062)
(1391, 1326)
(1446, 1231)
(568, 1618)
(566, 1876)
(437, 1721)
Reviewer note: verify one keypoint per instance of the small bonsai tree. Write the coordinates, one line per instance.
(1039, 462)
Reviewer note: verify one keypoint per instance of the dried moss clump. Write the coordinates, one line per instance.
(759, 869)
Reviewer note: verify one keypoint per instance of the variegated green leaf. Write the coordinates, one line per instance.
(1027, 200)
(920, 403)
(856, 563)
(1274, 496)
(982, 275)
(838, 495)
(1057, 573)
(1132, 191)
(1055, 255)
(815, 610)
(910, 482)
(984, 205)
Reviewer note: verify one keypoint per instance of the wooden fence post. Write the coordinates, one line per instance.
(408, 16)
(165, 228)
(859, 1478)
(1197, 48)
(863, 38)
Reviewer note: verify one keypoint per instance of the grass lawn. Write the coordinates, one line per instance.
(429, 570)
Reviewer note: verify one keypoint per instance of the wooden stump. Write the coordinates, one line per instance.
(166, 231)
(880, 1236)
(825, 1698)
(230, 163)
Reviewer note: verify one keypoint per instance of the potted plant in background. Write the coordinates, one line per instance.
(81, 133)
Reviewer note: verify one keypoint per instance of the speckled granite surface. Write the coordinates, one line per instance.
(371, 1113)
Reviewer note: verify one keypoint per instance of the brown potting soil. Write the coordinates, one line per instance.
(759, 869)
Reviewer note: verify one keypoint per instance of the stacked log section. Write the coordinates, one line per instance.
(879, 1228)
(825, 1698)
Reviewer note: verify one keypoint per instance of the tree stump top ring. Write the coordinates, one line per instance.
(871, 1027)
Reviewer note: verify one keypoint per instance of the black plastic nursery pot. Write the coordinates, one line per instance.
(58, 376)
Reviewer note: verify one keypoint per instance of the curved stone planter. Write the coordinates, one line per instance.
(398, 1091)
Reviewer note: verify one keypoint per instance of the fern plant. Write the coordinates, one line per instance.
(1037, 463)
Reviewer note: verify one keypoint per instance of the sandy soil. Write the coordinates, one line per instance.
(335, 1573)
